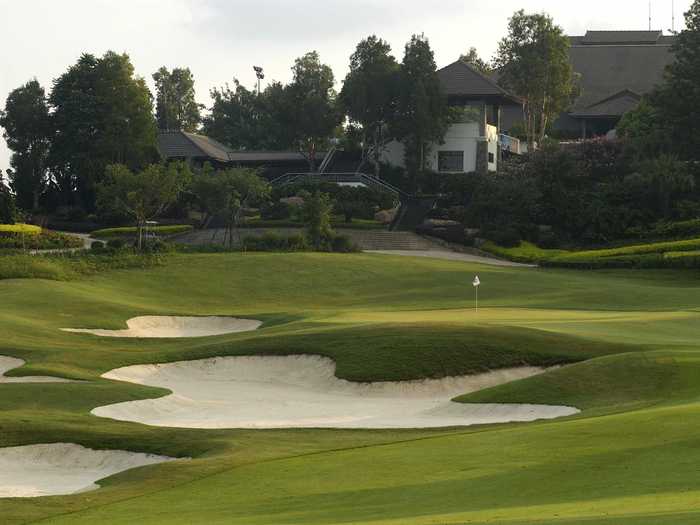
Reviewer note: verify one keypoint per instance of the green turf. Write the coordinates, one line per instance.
(630, 458)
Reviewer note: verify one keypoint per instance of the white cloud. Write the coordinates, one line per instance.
(220, 39)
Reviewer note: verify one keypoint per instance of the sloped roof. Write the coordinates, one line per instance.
(614, 106)
(621, 37)
(179, 144)
(460, 79)
(609, 69)
(183, 145)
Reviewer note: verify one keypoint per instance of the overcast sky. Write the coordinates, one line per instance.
(222, 39)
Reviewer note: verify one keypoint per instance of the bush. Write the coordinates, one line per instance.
(23, 236)
(548, 240)
(343, 244)
(276, 211)
(132, 231)
(506, 237)
(116, 244)
(97, 246)
(272, 242)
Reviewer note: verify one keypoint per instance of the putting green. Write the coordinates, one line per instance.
(630, 337)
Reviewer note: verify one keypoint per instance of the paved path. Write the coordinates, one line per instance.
(452, 256)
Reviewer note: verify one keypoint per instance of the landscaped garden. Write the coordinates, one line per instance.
(628, 360)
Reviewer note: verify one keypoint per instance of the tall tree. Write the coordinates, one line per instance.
(176, 107)
(677, 99)
(369, 94)
(310, 112)
(142, 195)
(533, 60)
(28, 134)
(102, 115)
(473, 59)
(244, 119)
(422, 116)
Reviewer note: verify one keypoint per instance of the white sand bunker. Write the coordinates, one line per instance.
(10, 363)
(303, 392)
(173, 327)
(62, 468)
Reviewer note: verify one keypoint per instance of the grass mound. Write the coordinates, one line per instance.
(668, 254)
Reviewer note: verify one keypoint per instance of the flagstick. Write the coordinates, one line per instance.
(477, 299)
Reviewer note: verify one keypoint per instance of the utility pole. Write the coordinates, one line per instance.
(673, 16)
(649, 15)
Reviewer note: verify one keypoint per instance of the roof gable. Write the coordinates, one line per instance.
(613, 106)
(462, 80)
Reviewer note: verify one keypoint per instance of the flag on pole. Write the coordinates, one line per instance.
(477, 282)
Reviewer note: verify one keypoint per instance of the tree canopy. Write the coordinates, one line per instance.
(422, 115)
(533, 61)
(472, 58)
(142, 195)
(102, 115)
(370, 91)
(28, 132)
(176, 107)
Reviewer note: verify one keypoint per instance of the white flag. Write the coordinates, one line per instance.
(477, 281)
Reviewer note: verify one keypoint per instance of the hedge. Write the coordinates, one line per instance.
(26, 229)
(132, 231)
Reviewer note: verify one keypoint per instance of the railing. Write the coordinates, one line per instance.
(327, 160)
(340, 178)
(511, 144)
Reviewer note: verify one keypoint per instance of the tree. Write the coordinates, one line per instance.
(7, 204)
(176, 107)
(310, 113)
(533, 61)
(244, 119)
(473, 59)
(142, 195)
(28, 134)
(228, 193)
(676, 100)
(102, 115)
(316, 214)
(422, 115)
(369, 94)
(645, 130)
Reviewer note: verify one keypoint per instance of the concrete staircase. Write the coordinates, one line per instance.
(388, 240)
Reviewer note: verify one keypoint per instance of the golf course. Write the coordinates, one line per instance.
(617, 347)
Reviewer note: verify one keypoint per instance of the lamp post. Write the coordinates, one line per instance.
(260, 75)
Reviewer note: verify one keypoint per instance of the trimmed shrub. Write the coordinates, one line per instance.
(343, 244)
(97, 246)
(506, 237)
(132, 231)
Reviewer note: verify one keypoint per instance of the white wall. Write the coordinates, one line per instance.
(459, 137)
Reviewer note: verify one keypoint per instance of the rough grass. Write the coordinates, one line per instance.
(132, 231)
(630, 458)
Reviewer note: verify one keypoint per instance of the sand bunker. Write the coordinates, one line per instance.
(10, 363)
(62, 468)
(173, 327)
(303, 392)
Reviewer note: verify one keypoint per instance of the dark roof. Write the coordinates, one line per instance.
(179, 144)
(607, 70)
(461, 80)
(621, 37)
(183, 145)
(614, 106)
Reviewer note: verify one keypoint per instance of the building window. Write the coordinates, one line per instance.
(492, 158)
(451, 161)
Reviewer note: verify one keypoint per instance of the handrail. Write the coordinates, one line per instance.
(369, 180)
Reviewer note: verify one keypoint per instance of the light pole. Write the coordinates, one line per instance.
(260, 75)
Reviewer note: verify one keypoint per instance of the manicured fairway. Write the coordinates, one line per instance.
(630, 338)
